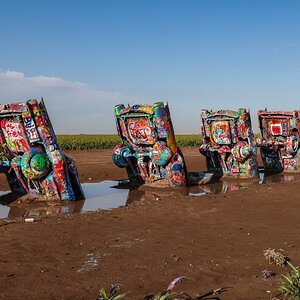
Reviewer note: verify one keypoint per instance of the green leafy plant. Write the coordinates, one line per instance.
(112, 294)
(164, 295)
(168, 292)
(289, 287)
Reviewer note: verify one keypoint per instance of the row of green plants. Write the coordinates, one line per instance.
(288, 285)
(167, 294)
(106, 141)
(88, 141)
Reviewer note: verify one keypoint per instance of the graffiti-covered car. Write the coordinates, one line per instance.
(229, 144)
(148, 150)
(32, 159)
(279, 143)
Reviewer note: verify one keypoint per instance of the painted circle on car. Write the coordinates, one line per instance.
(119, 155)
(161, 154)
(35, 163)
(241, 151)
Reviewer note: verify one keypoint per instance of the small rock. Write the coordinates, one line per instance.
(176, 258)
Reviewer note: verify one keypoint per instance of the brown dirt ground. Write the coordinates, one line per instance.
(216, 240)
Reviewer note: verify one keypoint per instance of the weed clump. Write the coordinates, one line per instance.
(273, 256)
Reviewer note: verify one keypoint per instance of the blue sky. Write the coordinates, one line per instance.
(84, 57)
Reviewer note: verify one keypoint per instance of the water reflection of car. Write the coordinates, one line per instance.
(229, 144)
(32, 159)
(277, 178)
(221, 187)
(148, 151)
(279, 143)
(45, 209)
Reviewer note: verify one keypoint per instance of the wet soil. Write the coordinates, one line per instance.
(216, 240)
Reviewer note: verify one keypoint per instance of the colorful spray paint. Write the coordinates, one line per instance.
(32, 159)
(229, 144)
(279, 142)
(148, 150)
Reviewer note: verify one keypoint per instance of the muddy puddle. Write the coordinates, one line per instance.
(112, 194)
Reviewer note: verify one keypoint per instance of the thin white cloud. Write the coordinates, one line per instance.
(74, 107)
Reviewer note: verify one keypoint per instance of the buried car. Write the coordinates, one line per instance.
(229, 144)
(32, 159)
(148, 150)
(279, 143)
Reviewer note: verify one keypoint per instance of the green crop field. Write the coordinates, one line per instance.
(188, 140)
(88, 141)
(105, 141)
